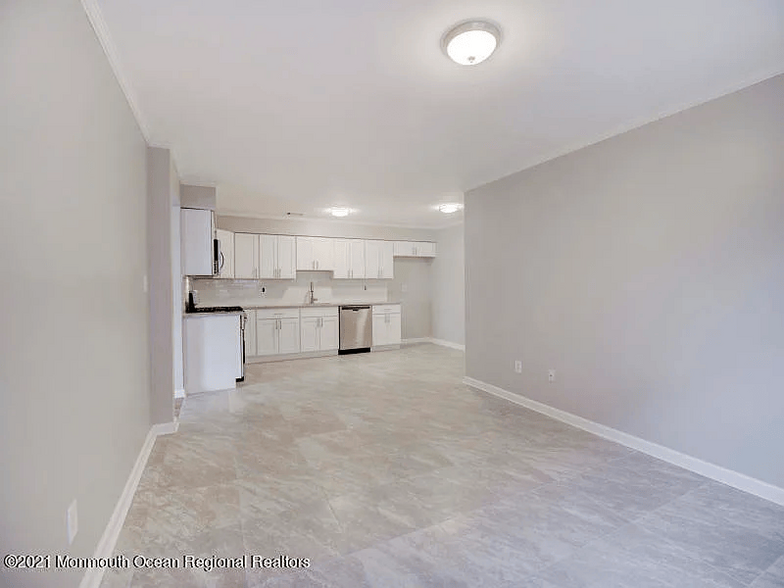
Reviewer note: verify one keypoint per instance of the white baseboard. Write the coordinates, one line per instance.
(105, 548)
(179, 393)
(704, 468)
(445, 343)
(415, 340)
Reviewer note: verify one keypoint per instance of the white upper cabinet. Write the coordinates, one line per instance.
(315, 254)
(379, 259)
(246, 256)
(414, 249)
(226, 261)
(268, 259)
(264, 256)
(196, 245)
(349, 259)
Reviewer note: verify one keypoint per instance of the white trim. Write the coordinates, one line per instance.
(95, 16)
(165, 428)
(179, 393)
(635, 124)
(93, 576)
(445, 343)
(416, 340)
(709, 470)
(229, 212)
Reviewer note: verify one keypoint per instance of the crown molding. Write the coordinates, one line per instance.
(637, 123)
(241, 214)
(95, 16)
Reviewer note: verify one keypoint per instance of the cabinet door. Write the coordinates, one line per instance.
(267, 336)
(379, 330)
(372, 259)
(309, 334)
(425, 249)
(329, 333)
(357, 258)
(196, 234)
(394, 329)
(387, 260)
(267, 255)
(342, 265)
(403, 249)
(226, 261)
(246, 256)
(306, 255)
(324, 253)
(250, 334)
(288, 335)
(287, 257)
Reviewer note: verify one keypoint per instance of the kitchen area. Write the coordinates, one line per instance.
(298, 292)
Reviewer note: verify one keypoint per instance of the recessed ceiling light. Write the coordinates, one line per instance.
(339, 211)
(471, 42)
(449, 208)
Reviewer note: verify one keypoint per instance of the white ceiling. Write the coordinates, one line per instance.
(304, 104)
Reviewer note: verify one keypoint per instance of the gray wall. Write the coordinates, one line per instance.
(448, 277)
(74, 379)
(648, 270)
(203, 197)
(413, 276)
(162, 196)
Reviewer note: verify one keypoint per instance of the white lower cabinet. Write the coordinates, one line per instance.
(250, 334)
(319, 329)
(386, 325)
(277, 332)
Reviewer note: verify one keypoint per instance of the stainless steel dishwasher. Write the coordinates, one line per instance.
(356, 329)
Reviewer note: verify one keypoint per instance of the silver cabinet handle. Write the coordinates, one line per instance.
(313, 264)
(317, 264)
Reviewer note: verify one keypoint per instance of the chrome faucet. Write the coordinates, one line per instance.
(312, 295)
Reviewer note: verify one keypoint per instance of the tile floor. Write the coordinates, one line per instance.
(386, 471)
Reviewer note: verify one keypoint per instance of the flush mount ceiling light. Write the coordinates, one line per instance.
(449, 208)
(339, 211)
(471, 42)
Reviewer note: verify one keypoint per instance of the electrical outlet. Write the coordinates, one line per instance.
(404, 288)
(519, 366)
(72, 522)
(551, 376)
(145, 284)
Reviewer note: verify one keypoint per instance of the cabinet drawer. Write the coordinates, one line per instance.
(386, 308)
(273, 313)
(324, 312)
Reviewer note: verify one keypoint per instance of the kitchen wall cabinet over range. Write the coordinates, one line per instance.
(414, 249)
(349, 259)
(386, 325)
(197, 230)
(319, 329)
(264, 256)
(315, 253)
(277, 331)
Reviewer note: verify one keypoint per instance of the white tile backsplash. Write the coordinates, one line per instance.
(213, 292)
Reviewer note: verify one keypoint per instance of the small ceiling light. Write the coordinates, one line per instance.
(340, 211)
(471, 42)
(449, 208)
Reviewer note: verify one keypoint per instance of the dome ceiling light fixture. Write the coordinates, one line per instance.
(449, 207)
(471, 42)
(340, 211)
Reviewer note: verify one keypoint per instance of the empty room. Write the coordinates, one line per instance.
(414, 294)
